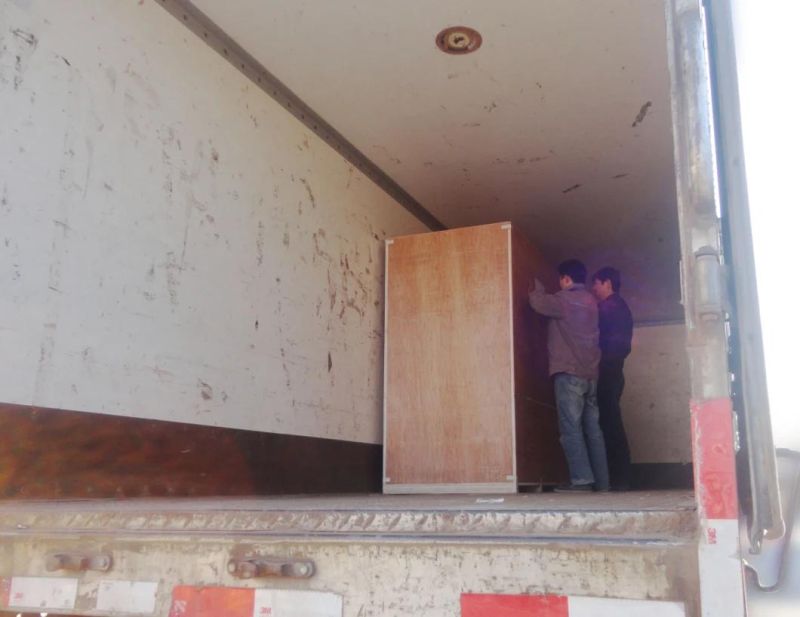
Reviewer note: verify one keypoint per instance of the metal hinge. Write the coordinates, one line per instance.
(263, 567)
(709, 296)
(78, 562)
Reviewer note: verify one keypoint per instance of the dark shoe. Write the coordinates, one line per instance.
(620, 488)
(601, 489)
(573, 488)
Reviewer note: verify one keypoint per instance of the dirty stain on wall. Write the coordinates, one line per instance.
(173, 245)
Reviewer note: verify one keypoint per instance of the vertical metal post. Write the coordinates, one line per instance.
(748, 360)
(720, 567)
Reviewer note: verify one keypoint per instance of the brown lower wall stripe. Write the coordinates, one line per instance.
(61, 454)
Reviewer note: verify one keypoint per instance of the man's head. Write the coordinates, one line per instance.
(606, 281)
(571, 272)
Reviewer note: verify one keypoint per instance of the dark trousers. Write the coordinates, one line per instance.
(610, 384)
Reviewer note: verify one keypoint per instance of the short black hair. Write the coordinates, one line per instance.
(574, 269)
(609, 274)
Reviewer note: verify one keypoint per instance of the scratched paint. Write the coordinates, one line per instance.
(154, 206)
(389, 579)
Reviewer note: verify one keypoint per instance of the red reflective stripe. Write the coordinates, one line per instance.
(491, 605)
(5, 591)
(714, 459)
(211, 602)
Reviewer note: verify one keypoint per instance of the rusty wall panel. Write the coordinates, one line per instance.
(48, 453)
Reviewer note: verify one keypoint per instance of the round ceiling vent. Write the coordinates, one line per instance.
(458, 40)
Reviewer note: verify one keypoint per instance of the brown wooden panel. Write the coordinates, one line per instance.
(449, 382)
(539, 454)
(52, 453)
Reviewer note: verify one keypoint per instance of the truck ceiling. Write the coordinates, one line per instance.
(559, 122)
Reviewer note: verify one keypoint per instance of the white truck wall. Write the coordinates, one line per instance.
(655, 403)
(173, 245)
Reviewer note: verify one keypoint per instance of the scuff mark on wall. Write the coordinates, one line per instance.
(27, 37)
(260, 244)
(172, 268)
(311, 197)
(642, 113)
(319, 237)
(206, 391)
(22, 54)
(331, 291)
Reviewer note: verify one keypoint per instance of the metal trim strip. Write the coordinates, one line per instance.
(216, 38)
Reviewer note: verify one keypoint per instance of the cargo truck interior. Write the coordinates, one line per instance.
(199, 308)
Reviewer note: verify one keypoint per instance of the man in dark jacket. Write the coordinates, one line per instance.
(616, 332)
(572, 346)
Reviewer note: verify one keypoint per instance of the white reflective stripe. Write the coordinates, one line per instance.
(284, 603)
(43, 592)
(612, 607)
(127, 597)
(721, 577)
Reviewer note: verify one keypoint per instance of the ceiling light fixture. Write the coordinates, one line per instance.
(458, 40)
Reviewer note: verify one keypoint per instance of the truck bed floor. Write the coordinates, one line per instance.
(649, 516)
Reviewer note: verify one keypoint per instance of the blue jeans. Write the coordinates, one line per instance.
(579, 425)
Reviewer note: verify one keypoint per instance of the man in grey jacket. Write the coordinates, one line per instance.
(574, 353)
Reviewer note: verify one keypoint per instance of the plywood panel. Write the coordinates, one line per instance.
(539, 454)
(448, 358)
